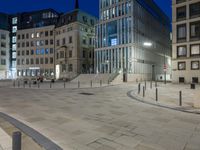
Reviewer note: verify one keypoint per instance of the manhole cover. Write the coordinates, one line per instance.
(86, 93)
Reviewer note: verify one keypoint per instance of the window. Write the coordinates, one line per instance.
(3, 36)
(27, 52)
(181, 66)
(32, 43)
(51, 33)
(180, 1)
(70, 54)
(46, 60)
(14, 39)
(3, 44)
(27, 36)
(195, 10)
(46, 42)
(37, 61)
(51, 50)
(3, 62)
(32, 61)
(51, 42)
(70, 39)
(23, 44)
(181, 13)
(51, 60)
(37, 34)
(84, 54)
(18, 61)
(18, 53)
(57, 43)
(84, 40)
(3, 53)
(37, 52)
(32, 52)
(27, 61)
(27, 44)
(42, 51)
(195, 65)
(18, 36)
(195, 30)
(32, 35)
(14, 20)
(23, 53)
(23, 37)
(41, 61)
(14, 29)
(46, 33)
(195, 50)
(23, 62)
(62, 54)
(181, 51)
(46, 51)
(37, 43)
(181, 32)
(70, 68)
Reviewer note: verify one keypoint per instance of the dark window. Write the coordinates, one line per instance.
(23, 36)
(46, 33)
(27, 36)
(195, 80)
(27, 52)
(46, 42)
(195, 30)
(70, 39)
(195, 10)
(70, 68)
(18, 37)
(51, 60)
(32, 52)
(51, 41)
(181, 13)
(70, 54)
(27, 44)
(181, 80)
(63, 41)
(51, 33)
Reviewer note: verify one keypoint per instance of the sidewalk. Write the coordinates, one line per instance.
(5, 141)
(168, 96)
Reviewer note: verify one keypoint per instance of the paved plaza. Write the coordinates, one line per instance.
(102, 118)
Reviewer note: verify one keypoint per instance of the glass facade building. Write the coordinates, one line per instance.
(133, 37)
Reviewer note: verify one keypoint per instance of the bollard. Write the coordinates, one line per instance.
(50, 85)
(16, 141)
(100, 83)
(156, 94)
(139, 87)
(14, 84)
(91, 83)
(29, 84)
(78, 84)
(180, 98)
(143, 91)
(18, 83)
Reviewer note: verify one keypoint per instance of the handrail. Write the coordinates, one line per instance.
(114, 75)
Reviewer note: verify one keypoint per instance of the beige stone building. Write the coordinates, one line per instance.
(186, 41)
(4, 54)
(74, 42)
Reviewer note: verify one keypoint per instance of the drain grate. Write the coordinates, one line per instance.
(86, 93)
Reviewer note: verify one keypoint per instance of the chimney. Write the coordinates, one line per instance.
(76, 4)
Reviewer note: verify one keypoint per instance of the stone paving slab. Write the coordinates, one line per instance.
(106, 120)
(5, 141)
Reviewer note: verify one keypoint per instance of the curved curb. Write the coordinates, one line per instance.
(160, 105)
(41, 140)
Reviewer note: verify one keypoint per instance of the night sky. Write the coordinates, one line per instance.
(90, 6)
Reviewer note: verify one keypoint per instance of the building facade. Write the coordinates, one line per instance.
(133, 37)
(186, 41)
(75, 44)
(54, 45)
(4, 46)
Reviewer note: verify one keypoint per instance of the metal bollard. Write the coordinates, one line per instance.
(29, 84)
(180, 98)
(18, 83)
(100, 83)
(91, 83)
(139, 87)
(156, 94)
(14, 84)
(143, 91)
(16, 141)
(78, 84)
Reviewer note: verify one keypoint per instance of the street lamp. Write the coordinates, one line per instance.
(147, 44)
